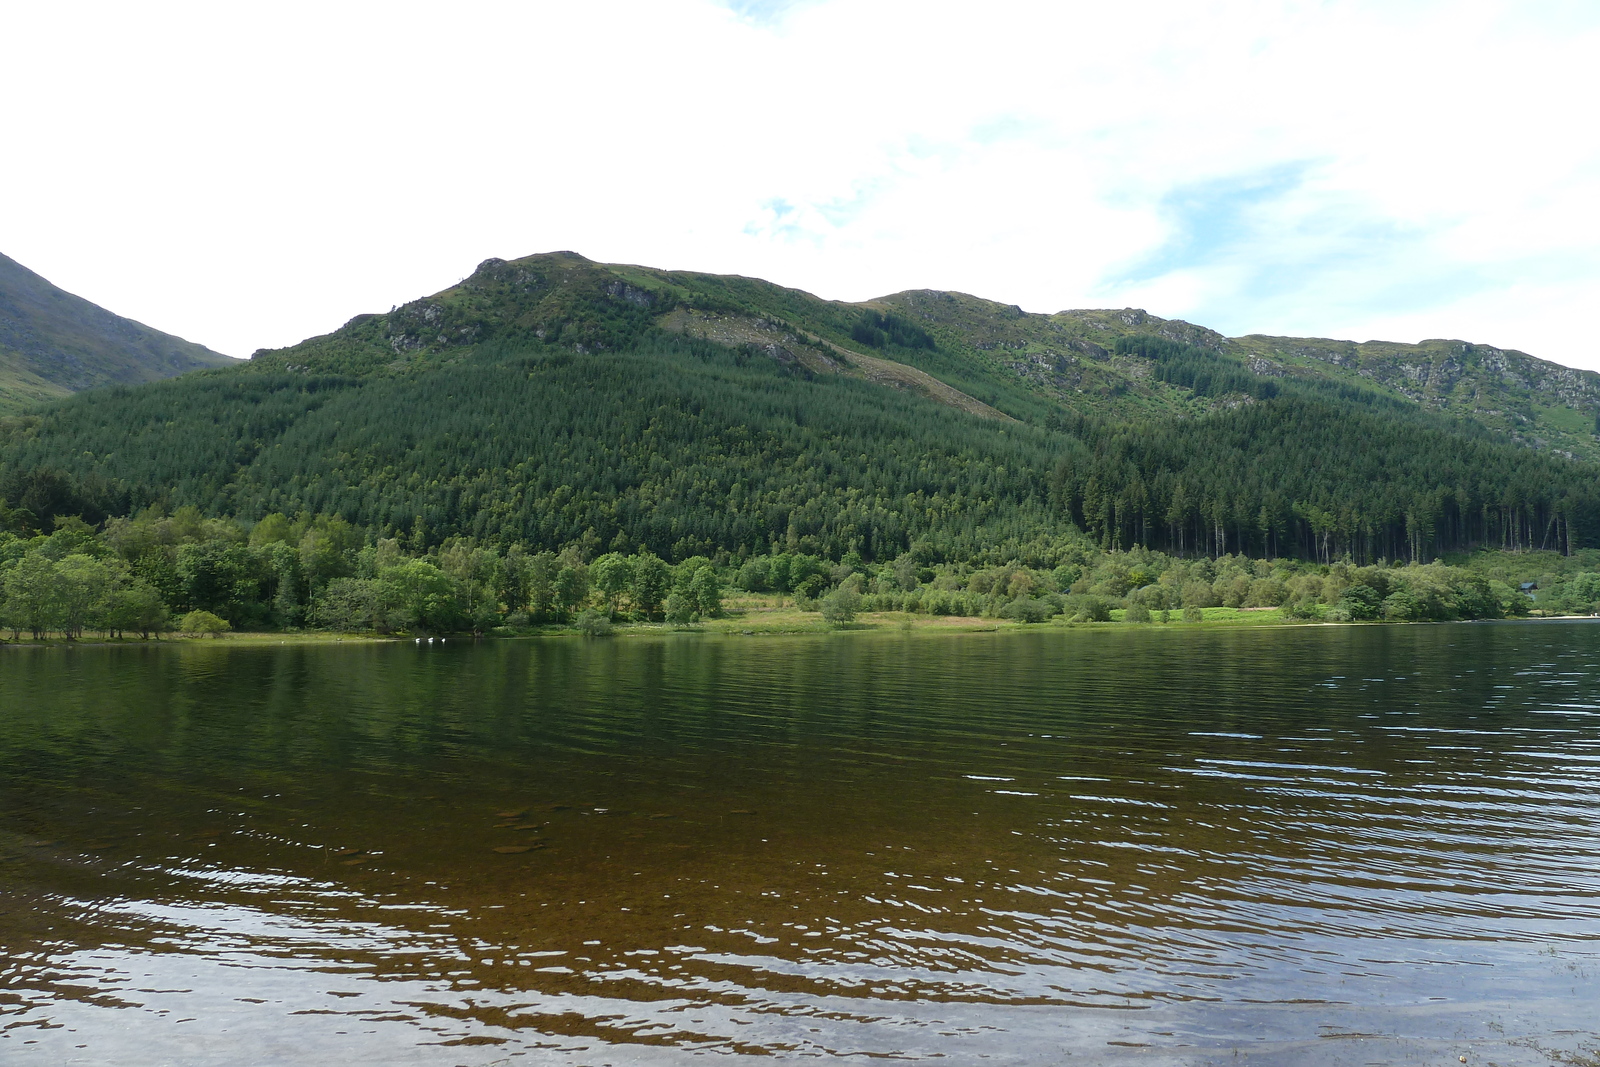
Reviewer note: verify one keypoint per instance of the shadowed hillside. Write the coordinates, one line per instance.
(53, 344)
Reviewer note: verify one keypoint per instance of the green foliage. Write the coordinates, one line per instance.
(877, 330)
(1090, 609)
(1203, 372)
(32, 602)
(571, 586)
(680, 609)
(613, 576)
(203, 624)
(1361, 602)
(1028, 609)
(136, 608)
(705, 591)
(1401, 604)
(360, 604)
(594, 623)
(840, 606)
(755, 575)
(429, 599)
(651, 581)
(686, 449)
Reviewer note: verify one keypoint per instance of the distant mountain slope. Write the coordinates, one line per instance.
(551, 400)
(53, 343)
(1540, 404)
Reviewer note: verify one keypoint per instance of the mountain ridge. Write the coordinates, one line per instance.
(988, 356)
(54, 343)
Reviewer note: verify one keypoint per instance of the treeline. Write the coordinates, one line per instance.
(148, 574)
(1320, 481)
(687, 449)
(145, 575)
(879, 330)
(1202, 372)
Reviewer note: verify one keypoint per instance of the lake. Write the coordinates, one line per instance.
(1320, 845)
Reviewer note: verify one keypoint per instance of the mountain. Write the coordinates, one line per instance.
(996, 354)
(553, 400)
(53, 344)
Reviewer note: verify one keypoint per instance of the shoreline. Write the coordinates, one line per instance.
(763, 622)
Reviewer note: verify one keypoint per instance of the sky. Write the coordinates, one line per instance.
(249, 174)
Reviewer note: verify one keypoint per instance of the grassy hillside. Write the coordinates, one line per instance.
(53, 344)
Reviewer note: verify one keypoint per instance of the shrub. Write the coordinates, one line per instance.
(1136, 612)
(1026, 609)
(204, 623)
(1091, 609)
(594, 623)
(1194, 613)
(1304, 608)
(1402, 605)
(1361, 602)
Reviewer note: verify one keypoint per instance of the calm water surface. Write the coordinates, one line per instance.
(1311, 845)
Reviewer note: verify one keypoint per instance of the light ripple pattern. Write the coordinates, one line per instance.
(1298, 845)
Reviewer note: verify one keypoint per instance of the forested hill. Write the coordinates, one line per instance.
(53, 344)
(996, 354)
(553, 401)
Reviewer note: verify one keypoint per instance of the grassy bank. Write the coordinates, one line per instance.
(746, 616)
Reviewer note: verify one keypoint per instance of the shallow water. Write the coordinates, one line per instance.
(1307, 845)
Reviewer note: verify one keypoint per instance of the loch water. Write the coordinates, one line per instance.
(1309, 845)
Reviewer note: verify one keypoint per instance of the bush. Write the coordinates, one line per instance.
(1091, 609)
(1136, 612)
(1402, 605)
(1304, 608)
(594, 623)
(204, 623)
(1194, 613)
(1360, 602)
(1025, 609)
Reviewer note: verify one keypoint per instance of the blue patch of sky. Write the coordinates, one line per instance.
(1008, 128)
(765, 12)
(1336, 255)
(780, 220)
(1207, 221)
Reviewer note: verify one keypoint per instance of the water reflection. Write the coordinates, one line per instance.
(1015, 846)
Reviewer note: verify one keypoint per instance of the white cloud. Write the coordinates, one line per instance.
(247, 176)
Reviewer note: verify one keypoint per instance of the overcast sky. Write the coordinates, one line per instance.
(250, 174)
